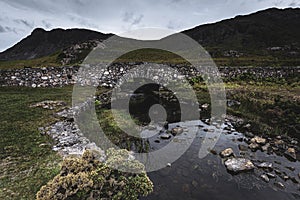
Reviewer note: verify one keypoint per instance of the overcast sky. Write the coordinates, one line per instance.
(19, 17)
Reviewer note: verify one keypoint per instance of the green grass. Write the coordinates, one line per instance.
(47, 61)
(27, 161)
(115, 134)
(272, 107)
(157, 56)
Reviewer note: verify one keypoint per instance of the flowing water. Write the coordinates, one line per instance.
(193, 178)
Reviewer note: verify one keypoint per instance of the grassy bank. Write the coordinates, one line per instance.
(272, 107)
(160, 56)
(27, 161)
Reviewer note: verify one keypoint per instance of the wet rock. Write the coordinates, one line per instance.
(285, 178)
(237, 165)
(278, 137)
(165, 136)
(205, 106)
(259, 140)
(291, 168)
(277, 171)
(226, 153)
(278, 142)
(270, 175)
(294, 180)
(290, 154)
(214, 152)
(265, 178)
(279, 185)
(253, 146)
(266, 147)
(208, 130)
(243, 147)
(277, 162)
(294, 142)
(265, 165)
(177, 131)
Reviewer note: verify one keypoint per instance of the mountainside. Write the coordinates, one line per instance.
(44, 43)
(262, 38)
(268, 30)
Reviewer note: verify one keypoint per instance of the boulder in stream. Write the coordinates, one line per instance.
(237, 165)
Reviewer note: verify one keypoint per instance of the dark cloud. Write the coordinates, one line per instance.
(176, 1)
(47, 24)
(29, 4)
(294, 4)
(25, 22)
(137, 20)
(83, 22)
(131, 18)
(278, 2)
(127, 16)
(6, 29)
(2, 30)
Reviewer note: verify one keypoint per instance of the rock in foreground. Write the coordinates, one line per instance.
(226, 153)
(237, 165)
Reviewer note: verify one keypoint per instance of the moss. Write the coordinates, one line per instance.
(87, 177)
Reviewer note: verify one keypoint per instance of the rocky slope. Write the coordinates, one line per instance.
(44, 43)
(266, 31)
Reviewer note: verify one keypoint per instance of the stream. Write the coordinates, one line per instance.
(193, 178)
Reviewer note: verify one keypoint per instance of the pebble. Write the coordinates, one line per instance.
(165, 136)
(265, 178)
(259, 140)
(270, 175)
(290, 154)
(253, 146)
(226, 153)
(279, 185)
(265, 165)
(177, 131)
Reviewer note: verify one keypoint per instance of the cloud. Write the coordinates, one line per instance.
(131, 18)
(127, 16)
(24, 22)
(137, 20)
(2, 30)
(115, 16)
(294, 4)
(47, 24)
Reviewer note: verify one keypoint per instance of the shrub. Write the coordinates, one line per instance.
(89, 178)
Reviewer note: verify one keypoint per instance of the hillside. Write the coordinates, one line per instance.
(264, 32)
(42, 43)
(265, 38)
